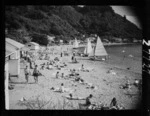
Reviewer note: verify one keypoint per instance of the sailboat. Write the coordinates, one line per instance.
(85, 51)
(88, 49)
(99, 50)
(76, 45)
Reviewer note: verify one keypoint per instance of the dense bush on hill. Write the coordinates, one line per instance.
(66, 22)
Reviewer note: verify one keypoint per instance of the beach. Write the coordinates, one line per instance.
(125, 65)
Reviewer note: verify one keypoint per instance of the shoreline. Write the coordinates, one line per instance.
(93, 44)
(115, 44)
(110, 44)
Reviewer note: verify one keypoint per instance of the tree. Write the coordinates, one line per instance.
(39, 38)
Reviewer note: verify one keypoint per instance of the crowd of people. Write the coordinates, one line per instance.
(56, 63)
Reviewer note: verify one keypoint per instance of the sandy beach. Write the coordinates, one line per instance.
(108, 84)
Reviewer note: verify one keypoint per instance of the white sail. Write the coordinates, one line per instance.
(85, 51)
(89, 47)
(91, 53)
(100, 50)
(76, 45)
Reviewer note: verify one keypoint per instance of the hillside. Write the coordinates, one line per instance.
(26, 23)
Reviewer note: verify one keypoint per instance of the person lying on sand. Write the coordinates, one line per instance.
(87, 103)
(111, 71)
(65, 64)
(63, 89)
(56, 59)
(91, 86)
(58, 67)
(126, 86)
(71, 97)
(58, 89)
(43, 64)
(62, 65)
(83, 69)
(79, 79)
(73, 73)
(42, 67)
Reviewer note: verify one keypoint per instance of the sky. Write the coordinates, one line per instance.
(125, 10)
(130, 15)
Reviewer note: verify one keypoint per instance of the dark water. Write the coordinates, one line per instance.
(123, 59)
(135, 50)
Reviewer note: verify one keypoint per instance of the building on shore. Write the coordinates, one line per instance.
(12, 64)
(14, 59)
(8, 54)
(33, 46)
(51, 39)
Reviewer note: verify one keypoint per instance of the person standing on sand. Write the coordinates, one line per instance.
(62, 76)
(73, 53)
(27, 72)
(57, 75)
(30, 62)
(61, 54)
(72, 58)
(36, 74)
(82, 67)
(28, 57)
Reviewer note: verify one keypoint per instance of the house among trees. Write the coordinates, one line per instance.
(105, 41)
(117, 40)
(50, 39)
(136, 41)
(33, 46)
(92, 39)
(61, 41)
(71, 42)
